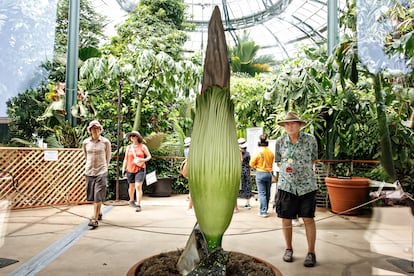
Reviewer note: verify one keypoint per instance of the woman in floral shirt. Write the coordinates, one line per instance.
(295, 152)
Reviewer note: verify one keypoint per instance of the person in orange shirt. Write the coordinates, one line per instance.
(263, 162)
(136, 155)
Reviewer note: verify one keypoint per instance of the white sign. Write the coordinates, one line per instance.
(272, 145)
(151, 178)
(253, 134)
(51, 155)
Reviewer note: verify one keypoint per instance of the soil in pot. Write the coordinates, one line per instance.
(239, 264)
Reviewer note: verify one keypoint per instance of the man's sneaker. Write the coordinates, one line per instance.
(310, 260)
(288, 256)
(132, 204)
(296, 222)
(138, 209)
(247, 206)
(190, 212)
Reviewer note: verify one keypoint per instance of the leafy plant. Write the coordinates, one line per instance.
(252, 108)
(244, 57)
(23, 111)
(353, 100)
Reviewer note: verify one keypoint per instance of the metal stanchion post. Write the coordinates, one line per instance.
(118, 139)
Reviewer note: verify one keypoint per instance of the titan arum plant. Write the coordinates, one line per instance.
(214, 164)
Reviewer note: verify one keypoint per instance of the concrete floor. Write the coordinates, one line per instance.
(56, 241)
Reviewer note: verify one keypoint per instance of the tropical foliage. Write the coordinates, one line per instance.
(355, 105)
(91, 33)
(147, 56)
(244, 58)
(157, 25)
(23, 112)
(47, 111)
(354, 99)
(252, 107)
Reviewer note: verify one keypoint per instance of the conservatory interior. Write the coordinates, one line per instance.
(154, 66)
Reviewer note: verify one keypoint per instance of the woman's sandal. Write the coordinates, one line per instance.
(93, 223)
(100, 216)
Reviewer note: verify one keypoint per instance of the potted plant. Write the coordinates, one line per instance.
(214, 168)
(347, 193)
(161, 188)
(165, 171)
(370, 63)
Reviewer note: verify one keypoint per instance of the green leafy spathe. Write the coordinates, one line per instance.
(214, 164)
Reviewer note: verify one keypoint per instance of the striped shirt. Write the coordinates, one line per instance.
(97, 155)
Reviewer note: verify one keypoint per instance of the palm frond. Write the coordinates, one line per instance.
(154, 141)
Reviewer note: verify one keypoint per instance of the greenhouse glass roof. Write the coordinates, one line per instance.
(279, 27)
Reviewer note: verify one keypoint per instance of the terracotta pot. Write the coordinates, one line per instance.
(347, 193)
(134, 269)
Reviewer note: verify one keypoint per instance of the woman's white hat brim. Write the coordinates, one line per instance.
(94, 123)
(134, 132)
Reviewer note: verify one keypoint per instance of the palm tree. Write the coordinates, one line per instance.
(244, 57)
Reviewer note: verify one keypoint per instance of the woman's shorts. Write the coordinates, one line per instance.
(290, 206)
(139, 176)
(96, 187)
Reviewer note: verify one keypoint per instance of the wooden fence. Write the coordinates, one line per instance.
(36, 177)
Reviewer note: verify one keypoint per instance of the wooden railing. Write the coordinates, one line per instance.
(353, 165)
(36, 177)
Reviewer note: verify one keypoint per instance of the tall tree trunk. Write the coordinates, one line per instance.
(137, 120)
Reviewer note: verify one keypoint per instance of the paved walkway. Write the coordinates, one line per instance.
(56, 241)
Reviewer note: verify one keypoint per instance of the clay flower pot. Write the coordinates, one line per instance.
(165, 262)
(346, 193)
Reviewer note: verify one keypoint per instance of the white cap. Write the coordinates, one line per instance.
(241, 141)
(243, 146)
(187, 141)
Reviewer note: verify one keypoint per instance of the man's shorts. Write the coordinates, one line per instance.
(291, 206)
(96, 187)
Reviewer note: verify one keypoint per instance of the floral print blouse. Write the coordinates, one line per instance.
(296, 174)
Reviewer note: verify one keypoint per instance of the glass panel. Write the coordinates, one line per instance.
(27, 30)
